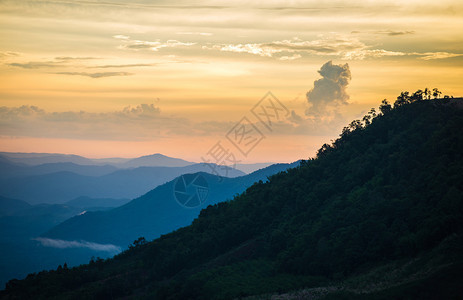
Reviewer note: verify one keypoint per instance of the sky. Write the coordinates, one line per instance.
(243, 81)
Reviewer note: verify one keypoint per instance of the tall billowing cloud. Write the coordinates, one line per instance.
(329, 91)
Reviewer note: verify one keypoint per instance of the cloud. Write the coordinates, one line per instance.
(195, 33)
(35, 65)
(436, 55)
(141, 122)
(365, 53)
(346, 48)
(328, 46)
(129, 43)
(121, 37)
(7, 54)
(396, 33)
(292, 57)
(122, 66)
(96, 75)
(62, 244)
(330, 91)
(256, 49)
(386, 32)
(70, 58)
(57, 62)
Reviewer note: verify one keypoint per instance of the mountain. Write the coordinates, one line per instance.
(22, 253)
(10, 206)
(63, 186)
(44, 158)
(92, 203)
(249, 168)
(35, 159)
(12, 170)
(155, 160)
(377, 215)
(155, 213)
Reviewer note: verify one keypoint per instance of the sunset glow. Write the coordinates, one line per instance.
(109, 79)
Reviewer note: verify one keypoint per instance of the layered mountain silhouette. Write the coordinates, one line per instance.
(161, 210)
(377, 215)
(21, 223)
(62, 186)
(33, 159)
(155, 160)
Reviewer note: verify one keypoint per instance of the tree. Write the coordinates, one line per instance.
(138, 242)
(436, 93)
(402, 99)
(356, 124)
(417, 96)
(366, 119)
(427, 93)
(324, 149)
(385, 107)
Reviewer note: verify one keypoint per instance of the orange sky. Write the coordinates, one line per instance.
(107, 79)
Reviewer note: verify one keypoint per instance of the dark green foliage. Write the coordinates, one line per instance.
(389, 189)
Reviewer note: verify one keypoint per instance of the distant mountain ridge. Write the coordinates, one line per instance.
(63, 186)
(154, 213)
(43, 158)
(87, 202)
(44, 162)
(22, 223)
(155, 160)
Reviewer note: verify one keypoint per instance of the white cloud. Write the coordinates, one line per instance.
(62, 244)
(292, 57)
(365, 53)
(328, 46)
(344, 47)
(132, 44)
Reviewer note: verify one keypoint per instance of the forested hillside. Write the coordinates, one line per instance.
(381, 206)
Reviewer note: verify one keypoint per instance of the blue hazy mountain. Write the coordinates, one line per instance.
(44, 158)
(249, 168)
(21, 252)
(14, 170)
(155, 160)
(35, 159)
(87, 203)
(60, 187)
(155, 213)
(10, 206)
